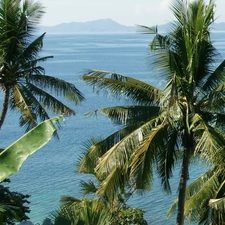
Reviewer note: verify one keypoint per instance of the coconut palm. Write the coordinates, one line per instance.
(205, 195)
(84, 211)
(205, 198)
(23, 81)
(168, 126)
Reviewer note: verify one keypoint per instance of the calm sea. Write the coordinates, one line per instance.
(50, 173)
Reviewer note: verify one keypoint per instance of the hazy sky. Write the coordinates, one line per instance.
(126, 12)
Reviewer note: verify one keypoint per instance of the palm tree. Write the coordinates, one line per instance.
(205, 197)
(24, 83)
(168, 126)
(84, 211)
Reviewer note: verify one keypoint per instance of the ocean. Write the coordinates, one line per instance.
(51, 172)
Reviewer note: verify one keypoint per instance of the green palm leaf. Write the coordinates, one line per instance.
(21, 69)
(218, 204)
(21, 102)
(49, 101)
(128, 114)
(186, 122)
(119, 85)
(58, 86)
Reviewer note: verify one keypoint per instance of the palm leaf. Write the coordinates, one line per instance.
(216, 79)
(32, 50)
(154, 150)
(192, 189)
(58, 86)
(208, 138)
(32, 12)
(115, 180)
(49, 101)
(96, 148)
(128, 114)
(218, 204)
(22, 103)
(121, 151)
(119, 85)
(206, 192)
(148, 30)
(88, 187)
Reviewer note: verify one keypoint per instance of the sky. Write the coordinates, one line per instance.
(125, 12)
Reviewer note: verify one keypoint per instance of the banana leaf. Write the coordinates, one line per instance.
(12, 158)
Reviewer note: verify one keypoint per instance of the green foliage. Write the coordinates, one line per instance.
(82, 212)
(14, 205)
(129, 216)
(26, 87)
(74, 211)
(187, 115)
(14, 155)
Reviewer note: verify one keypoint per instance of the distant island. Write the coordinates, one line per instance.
(104, 26)
(95, 26)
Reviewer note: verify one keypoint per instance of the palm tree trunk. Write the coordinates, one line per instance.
(4, 107)
(182, 187)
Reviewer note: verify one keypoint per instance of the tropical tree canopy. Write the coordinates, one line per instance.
(23, 81)
(166, 126)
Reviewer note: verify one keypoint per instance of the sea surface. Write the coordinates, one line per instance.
(51, 172)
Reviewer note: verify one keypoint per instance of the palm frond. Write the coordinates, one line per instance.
(195, 194)
(96, 148)
(214, 101)
(49, 101)
(32, 50)
(91, 152)
(58, 86)
(167, 156)
(122, 150)
(213, 105)
(68, 200)
(154, 150)
(148, 30)
(215, 82)
(179, 11)
(202, 196)
(88, 187)
(22, 103)
(115, 180)
(118, 85)
(218, 204)
(128, 114)
(209, 139)
(32, 12)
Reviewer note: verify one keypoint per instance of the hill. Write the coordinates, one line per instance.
(104, 26)
(95, 26)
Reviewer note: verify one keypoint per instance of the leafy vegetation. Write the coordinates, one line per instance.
(129, 216)
(163, 127)
(12, 208)
(74, 211)
(26, 87)
(13, 156)
(13, 205)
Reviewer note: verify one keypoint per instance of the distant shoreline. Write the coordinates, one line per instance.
(103, 26)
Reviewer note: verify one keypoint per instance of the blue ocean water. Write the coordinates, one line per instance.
(51, 172)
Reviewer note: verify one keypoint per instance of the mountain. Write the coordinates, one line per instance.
(95, 26)
(104, 26)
